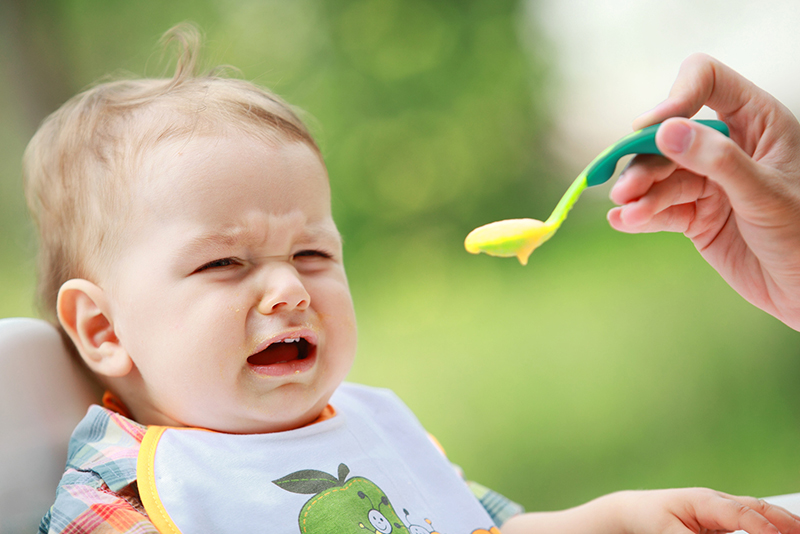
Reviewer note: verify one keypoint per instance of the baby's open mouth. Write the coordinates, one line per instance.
(287, 350)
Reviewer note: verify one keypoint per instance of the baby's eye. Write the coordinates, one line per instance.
(217, 264)
(312, 253)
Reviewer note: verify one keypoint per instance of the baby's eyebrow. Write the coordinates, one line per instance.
(321, 234)
(227, 239)
(204, 242)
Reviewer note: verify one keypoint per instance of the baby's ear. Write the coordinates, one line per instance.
(84, 313)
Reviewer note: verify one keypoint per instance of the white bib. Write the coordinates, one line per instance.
(369, 469)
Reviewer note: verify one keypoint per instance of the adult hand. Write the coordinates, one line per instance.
(737, 199)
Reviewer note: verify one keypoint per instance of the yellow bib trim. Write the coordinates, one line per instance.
(145, 474)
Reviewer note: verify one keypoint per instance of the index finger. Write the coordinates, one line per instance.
(703, 80)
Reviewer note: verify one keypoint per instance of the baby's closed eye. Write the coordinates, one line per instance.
(312, 253)
(218, 264)
(304, 256)
(313, 261)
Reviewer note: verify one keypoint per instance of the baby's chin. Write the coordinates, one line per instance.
(263, 402)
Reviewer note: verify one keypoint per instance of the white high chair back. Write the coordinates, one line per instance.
(43, 395)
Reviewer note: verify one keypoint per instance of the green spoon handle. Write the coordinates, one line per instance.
(642, 141)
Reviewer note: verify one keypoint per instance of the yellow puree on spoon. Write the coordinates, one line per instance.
(512, 237)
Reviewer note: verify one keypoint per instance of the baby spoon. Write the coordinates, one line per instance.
(519, 237)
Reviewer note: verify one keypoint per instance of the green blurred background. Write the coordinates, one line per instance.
(609, 362)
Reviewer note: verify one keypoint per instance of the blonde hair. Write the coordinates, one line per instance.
(84, 158)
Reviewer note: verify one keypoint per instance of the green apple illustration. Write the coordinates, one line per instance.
(341, 505)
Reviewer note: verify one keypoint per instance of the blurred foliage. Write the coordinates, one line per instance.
(609, 362)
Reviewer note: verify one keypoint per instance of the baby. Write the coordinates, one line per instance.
(188, 250)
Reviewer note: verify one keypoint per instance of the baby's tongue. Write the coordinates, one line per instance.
(275, 353)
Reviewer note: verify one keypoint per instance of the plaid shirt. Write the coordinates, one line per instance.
(98, 492)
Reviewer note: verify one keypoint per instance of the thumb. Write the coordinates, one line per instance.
(706, 152)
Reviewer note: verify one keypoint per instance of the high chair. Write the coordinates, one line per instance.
(43, 395)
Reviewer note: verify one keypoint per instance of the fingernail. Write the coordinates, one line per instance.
(677, 138)
(613, 191)
(653, 108)
(624, 172)
(650, 112)
(622, 213)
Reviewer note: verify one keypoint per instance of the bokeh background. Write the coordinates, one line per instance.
(609, 362)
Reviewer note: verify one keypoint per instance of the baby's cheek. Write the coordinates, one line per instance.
(345, 315)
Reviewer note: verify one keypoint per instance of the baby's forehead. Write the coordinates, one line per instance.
(225, 150)
(173, 148)
(176, 124)
(235, 188)
(253, 231)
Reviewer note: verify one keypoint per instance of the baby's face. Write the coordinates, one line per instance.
(230, 296)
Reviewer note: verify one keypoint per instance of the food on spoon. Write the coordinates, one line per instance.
(511, 237)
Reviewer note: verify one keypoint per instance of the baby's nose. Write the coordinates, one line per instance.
(284, 291)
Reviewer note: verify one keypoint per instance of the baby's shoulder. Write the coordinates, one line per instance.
(107, 444)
